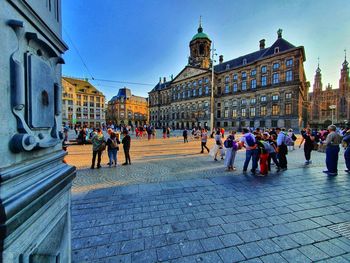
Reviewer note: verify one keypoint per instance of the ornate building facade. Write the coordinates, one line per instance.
(127, 109)
(322, 101)
(82, 103)
(266, 88)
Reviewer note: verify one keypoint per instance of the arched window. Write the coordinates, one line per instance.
(201, 49)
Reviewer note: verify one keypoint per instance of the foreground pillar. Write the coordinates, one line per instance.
(34, 182)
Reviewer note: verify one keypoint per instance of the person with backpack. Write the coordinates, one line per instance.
(185, 134)
(112, 148)
(282, 150)
(218, 146)
(332, 150)
(263, 148)
(248, 141)
(231, 150)
(98, 146)
(309, 142)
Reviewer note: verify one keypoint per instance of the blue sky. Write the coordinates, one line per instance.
(140, 41)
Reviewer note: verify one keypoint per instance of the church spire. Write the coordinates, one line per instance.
(200, 28)
(345, 63)
(318, 70)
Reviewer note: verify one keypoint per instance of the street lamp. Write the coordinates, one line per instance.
(332, 107)
(212, 89)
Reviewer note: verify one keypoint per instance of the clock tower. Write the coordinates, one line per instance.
(200, 49)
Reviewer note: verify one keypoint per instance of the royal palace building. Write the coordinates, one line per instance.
(330, 105)
(265, 88)
(82, 103)
(127, 109)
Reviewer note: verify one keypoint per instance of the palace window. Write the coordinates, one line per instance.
(244, 75)
(234, 103)
(263, 98)
(206, 80)
(243, 112)
(227, 66)
(277, 50)
(275, 66)
(253, 83)
(262, 124)
(252, 112)
(289, 62)
(227, 88)
(263, 81)
(183, 94)
(288, 96)
(289, 75)
(199, 92)
(244, 61)
(263, 110)
(179, 96)
(243, 102)
(275, 78)
(194, 83)
(253, 101)
(206, 90)
(188, 93)
(235, 77)
(226, 113)
(194, 92)
(275, 109)
(253, 73)
(275, 98)
(263, 69)
(200, 82)
(227, 79)
(235, 87)
(244, 85)
(234, 113)
(274, 123)
(288, 109)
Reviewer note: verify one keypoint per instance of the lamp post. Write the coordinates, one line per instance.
(332, 107)
(212, 89)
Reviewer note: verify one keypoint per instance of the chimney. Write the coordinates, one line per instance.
(262, 44)
(160, 79)
(221, 59)
(164, 79)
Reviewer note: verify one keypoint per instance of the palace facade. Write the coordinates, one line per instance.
(265, 88)
(82, 103)
(127, 109)
(330, 105)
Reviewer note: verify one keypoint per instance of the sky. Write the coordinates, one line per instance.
(139, 41)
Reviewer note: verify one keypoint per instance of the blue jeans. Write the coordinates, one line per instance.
(332, 154)
(347, 157)
(254, 155)
(112, 155)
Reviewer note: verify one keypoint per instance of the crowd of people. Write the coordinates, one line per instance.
(263, 147)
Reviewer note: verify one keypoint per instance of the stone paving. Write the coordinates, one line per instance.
(196, 212)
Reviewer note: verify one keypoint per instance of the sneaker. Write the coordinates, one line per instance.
(283, 169)
(332, 174)
(307, 163)
(215, 159)
(125, 164)
(326, 172)
(222, 158)
(92, 167)
(98, 167)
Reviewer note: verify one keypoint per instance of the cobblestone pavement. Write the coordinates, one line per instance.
(300, 215)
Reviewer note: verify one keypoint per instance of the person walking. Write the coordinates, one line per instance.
(218, 146)
(112, 148)
(308, 141)
(332, 142)
(282, 149)
(126, 147)
(346, 141)
(248, 141)
(204, 139)
(185, 134)
(231, 150)
(98, 146)
(292, 141)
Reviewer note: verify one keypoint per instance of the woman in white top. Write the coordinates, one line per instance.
(218, 145)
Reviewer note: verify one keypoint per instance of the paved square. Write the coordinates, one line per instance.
(209, 215)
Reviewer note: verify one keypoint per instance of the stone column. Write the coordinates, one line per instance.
(34, 182)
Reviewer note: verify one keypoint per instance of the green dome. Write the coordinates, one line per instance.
(200, 35)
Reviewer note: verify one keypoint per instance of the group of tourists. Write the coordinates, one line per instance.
(99, 145)
(272, 145)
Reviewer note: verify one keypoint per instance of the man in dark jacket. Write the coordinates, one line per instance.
(126, 147)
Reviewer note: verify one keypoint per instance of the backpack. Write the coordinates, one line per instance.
(250, 140)
(268, 147)
(114, 144)
(294, 138)
(228, 143)
(288, 140)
